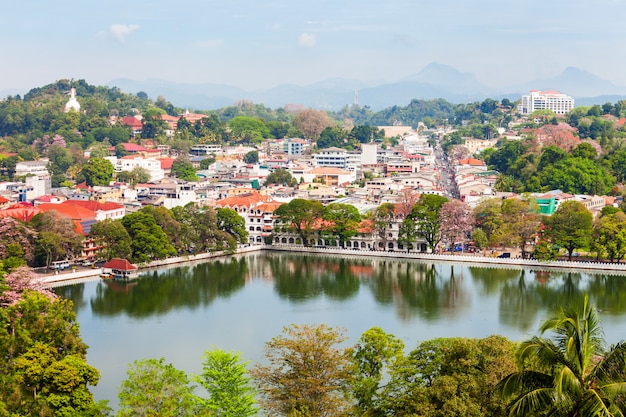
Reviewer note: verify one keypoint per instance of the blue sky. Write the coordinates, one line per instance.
(260, 44)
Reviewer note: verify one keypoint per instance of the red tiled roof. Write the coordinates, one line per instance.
(243, 200)
(69, 209)
(3, 200)
(166, 163)
(119, 264)
(95, 205)
(471, 161)
(132, 122)
(20, 213)
(130, 147)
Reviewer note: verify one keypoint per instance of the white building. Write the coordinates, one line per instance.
(546, 100)
(369, 153)
(36, 177)
(24, 168)
(331, 157)
(294, 146)
(130, 162)
(204, 149)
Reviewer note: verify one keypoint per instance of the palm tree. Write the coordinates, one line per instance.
(570, 375)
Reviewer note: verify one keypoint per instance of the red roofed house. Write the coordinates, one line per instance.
(120, 269)
(134, 123)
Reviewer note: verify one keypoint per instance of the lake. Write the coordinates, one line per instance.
(241, 302)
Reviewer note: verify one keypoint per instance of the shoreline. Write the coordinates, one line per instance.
(64, 278)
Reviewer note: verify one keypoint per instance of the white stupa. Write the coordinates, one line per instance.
(72, 103)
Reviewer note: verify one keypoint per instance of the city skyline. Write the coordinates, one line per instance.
(259, 45)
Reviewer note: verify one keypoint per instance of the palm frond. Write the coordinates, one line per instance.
(517, 382)
(542, 399)
(594, 405)
(612, 365)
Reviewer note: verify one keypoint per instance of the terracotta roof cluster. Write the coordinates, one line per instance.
(20, 213)
(251, 199)
(471, 161)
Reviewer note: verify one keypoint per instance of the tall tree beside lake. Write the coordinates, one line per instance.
(570, 226)
(307, 374)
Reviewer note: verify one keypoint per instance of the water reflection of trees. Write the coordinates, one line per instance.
(300, 278)
(420, 289)
(526, 293)
(412, 288)
(73, 292)
(160, 292)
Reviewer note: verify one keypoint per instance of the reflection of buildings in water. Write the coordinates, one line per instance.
(542, 277)
(124, 287)
(258, 268)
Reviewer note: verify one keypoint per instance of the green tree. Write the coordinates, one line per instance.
(206, 163)
(373, 356)
(343, 221)
(578, 176)
(251, 157)
(279, 176)
(43, 370)
(134, 176)
(570, 226)
(58, 238)
(156, 388)
(488, 218)
(426, 215)
(407, 235)
(450, 377)
(609, 235)
(384, 217)
(153, 123)
(184, 170)
(225, 377)
(97, 171)
(307, 374)
(301, 216)
(571, 374)
(148, 240)
(113, 238)
(248, 129)
(229, 221)
(58, 384)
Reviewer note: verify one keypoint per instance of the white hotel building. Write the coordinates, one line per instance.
(546, 100)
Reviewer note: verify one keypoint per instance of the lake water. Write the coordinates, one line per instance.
(239, 303)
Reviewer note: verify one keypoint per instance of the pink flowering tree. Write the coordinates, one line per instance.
(19, 281)
(42, 144)
(456, 221)
(16, 235)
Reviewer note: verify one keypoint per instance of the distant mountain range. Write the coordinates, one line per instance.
(432, 82)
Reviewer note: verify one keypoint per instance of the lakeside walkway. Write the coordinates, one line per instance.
(63, 278)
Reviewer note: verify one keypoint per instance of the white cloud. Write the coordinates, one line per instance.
(120, 32)
(306, 40)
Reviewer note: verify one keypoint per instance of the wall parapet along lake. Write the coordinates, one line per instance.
(483, 261)
(473, 259)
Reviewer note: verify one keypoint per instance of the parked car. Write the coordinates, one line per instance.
(504, 255)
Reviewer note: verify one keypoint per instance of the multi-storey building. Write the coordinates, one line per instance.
(546, 100)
